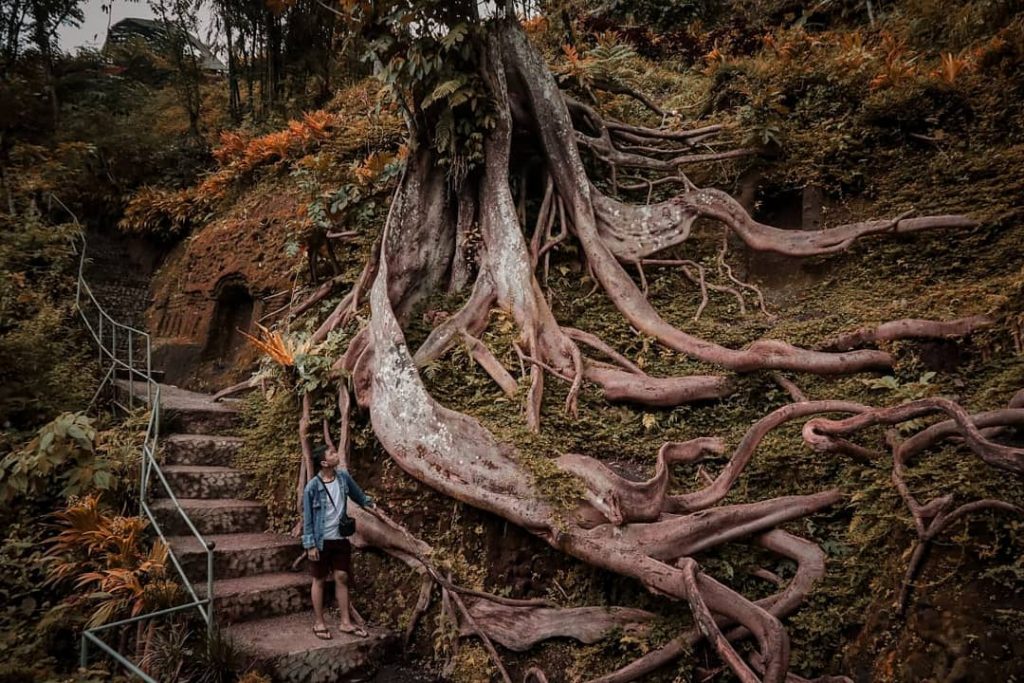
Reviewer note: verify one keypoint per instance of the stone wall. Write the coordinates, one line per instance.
(197, 334)
(118, 270)
(194, 332)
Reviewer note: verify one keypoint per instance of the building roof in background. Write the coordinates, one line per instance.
(155, 33)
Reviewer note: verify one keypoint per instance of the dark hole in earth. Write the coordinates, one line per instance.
(233, 312)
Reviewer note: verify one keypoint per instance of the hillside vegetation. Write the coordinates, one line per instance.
(913, 106)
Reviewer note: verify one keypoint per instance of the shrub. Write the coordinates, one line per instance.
(271, 453)
(68, 457)
(160, 213)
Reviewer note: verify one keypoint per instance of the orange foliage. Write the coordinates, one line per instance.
(215, 186)
(106, 557)
(951, 67)
(372, 166)
(232, 146)
(245, 154)
(898, 65)
(272, 344)
(535, 25)
(239, 154)
(714, 58)
(158, 212)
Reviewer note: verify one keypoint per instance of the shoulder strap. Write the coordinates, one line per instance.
(327, 491)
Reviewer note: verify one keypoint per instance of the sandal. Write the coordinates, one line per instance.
(322, 632)
(353, 630)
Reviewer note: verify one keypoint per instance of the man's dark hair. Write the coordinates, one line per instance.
(318, 454)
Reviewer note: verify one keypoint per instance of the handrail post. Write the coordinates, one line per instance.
(113, 356)
(210, 545)
(131, 373)
(142, 477)
(99, 326)
(81, 266)
(149, 374)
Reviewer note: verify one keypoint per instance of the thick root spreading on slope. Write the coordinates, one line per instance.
(636, 529)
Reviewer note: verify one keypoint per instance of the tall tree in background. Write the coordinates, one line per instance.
(181, 21)
(46, 18)
(225, 20)
(13, 20)
(286, 54)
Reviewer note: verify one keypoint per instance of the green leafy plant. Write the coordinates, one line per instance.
(610, 61)
(430, 72)
(63, 453)
(907, 391)
(271, 453)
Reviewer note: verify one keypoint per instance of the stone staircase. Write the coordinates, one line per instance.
(259, 603)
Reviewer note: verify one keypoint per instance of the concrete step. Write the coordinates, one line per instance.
(236, 555)
(287, 646)
(199, 420)
(258, 597)
(220, 516)
(203, 481)
(200, 449)
(184, 411)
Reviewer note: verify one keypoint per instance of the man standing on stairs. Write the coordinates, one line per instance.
(325, 531)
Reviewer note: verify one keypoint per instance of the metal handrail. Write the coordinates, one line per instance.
(104, 325)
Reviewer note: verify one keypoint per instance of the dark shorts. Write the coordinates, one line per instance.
(336, 556)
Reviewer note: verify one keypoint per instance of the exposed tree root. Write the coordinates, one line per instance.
(820, 432)
(421, 607)
(715, 492)
(621, 501)
(321, 293)
(535, 675)
(710, 630)
(636, 529)
(520, 628)
(482, 634)
(618, 88)
(724, 267)
(235, 389)
(810, 561)
(687, 267)
(482, 355)
(661, 392)
(349, 305)
(789, 386)
(942, 430)
(595, 343)
(906, 329)
(934, 517)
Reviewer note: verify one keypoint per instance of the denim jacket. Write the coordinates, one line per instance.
(315, 502)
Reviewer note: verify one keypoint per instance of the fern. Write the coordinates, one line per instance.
(444, 132)
(444, 90)
(455, 36)
(610, 60)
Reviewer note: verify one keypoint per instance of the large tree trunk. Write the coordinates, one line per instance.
(636, 529)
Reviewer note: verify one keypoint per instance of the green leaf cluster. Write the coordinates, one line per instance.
(427, 55)
(61, 454)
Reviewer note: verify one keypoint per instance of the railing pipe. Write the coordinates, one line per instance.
(148, 464)
(131, 374)
(100, 358)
